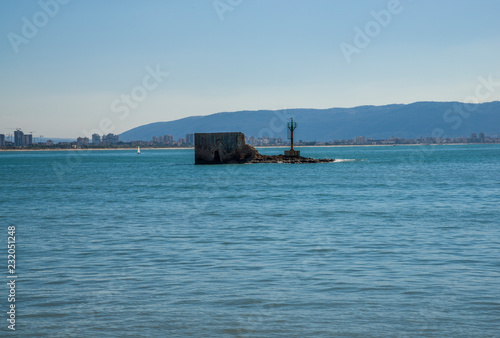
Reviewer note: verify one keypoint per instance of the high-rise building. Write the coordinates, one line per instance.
(481, 137)
(190, 139)
(167, 139)
(18, 138)
(82, 141)
(360, 140)
(27, 139)
(2, 140)
(110, 139)
(96, 139)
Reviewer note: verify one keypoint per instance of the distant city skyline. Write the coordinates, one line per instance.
(73, 68)
(25, 141)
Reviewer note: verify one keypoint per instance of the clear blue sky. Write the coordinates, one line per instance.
(277, 54)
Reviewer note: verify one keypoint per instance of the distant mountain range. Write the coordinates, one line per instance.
(414, 120)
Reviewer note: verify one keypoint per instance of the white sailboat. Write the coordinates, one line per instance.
(138, 150)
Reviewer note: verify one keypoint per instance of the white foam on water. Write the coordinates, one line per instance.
(344, 160)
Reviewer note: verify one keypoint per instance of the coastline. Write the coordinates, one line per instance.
(96, 149)
(257, 147)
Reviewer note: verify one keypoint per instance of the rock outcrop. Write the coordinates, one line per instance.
(259, 158)
(227, 148)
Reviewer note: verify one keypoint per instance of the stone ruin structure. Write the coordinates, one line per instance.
(221, 148)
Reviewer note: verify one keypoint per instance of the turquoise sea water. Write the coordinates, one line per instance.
(398, 241)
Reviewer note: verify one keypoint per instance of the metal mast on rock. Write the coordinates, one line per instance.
(291, 127)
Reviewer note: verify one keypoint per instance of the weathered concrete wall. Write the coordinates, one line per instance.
(292, 153)
(220, 148)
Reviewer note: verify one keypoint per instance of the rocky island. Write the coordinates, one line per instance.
(228, 148)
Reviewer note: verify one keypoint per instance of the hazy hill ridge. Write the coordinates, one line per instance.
(414, 120)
